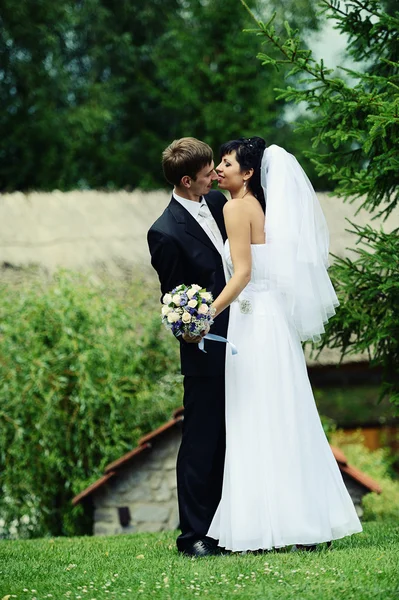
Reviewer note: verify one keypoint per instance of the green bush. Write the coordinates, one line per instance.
(377, 464)
(85, 371)
(354, 405)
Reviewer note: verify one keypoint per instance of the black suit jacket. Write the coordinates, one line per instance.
(181, 252)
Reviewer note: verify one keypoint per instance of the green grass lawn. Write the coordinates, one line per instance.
(148, 566)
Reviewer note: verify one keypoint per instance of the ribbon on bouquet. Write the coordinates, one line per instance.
(216, 338)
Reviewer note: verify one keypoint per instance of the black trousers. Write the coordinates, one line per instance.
(200, 460)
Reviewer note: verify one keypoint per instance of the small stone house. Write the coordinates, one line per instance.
(138, 491)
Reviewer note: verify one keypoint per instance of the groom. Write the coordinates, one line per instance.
(186, 246)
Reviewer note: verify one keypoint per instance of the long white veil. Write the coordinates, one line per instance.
(298, 240)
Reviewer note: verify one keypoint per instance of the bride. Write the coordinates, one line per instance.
(281, 485)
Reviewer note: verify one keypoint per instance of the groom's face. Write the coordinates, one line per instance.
(203, 182)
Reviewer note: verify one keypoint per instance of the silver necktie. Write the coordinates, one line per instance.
(205, 217)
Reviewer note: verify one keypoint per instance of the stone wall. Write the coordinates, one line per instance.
(356, 492)
(146, 486)
(84, 230)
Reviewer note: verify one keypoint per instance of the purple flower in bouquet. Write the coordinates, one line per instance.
(183, 299)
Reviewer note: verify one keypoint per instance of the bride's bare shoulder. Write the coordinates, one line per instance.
(235, 206)
(237, 218)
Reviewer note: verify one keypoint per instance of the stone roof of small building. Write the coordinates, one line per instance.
(145, 445)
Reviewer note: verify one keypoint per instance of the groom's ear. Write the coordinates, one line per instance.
(186, 181)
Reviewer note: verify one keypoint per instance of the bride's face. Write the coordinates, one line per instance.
(229, 172)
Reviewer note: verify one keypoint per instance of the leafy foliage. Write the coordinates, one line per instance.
(54, 103)
(92, 92)
(357, 112)
(368, 289)
(352, 406)
(84, 375)
(229, 95)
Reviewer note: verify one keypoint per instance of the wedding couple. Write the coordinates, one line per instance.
(254, 470)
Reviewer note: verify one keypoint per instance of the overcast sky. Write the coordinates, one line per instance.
(327, 44)
(330, 45)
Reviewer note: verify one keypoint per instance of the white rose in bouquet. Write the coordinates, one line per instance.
(192, 303)
(196, 287)
(176, 299)
(191, 292)
(167, 299)
(203, 309)
(166, 310)
(173, 317)
(186, 318)
(206, 296)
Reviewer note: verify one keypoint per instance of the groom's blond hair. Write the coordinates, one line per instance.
(186, 156)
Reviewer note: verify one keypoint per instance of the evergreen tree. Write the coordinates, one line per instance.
(358, 113)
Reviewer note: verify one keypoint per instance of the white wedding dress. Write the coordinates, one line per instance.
(281, 485)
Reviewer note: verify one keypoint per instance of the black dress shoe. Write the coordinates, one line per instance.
(311, 548)
(202, 548)
(299, 547)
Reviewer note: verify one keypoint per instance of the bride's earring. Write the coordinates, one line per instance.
(245, 185)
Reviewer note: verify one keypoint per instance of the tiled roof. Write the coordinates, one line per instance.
(93, 487)
(126, 457)
(357, 475)
(361, 478)
(145, 445)
(151, 436)
(339, 455)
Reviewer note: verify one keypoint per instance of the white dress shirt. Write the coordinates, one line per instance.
(205, 219)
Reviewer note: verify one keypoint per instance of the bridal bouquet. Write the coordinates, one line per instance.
(186, 309)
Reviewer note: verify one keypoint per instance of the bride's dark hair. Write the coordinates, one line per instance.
(249, 153)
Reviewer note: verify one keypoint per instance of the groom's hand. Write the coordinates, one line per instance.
(190, 339)
(195, 340)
